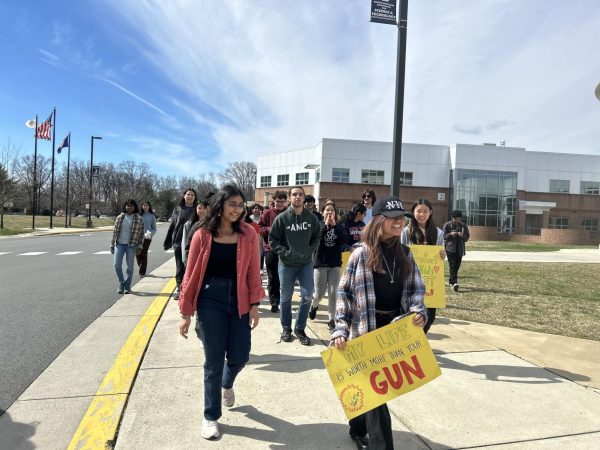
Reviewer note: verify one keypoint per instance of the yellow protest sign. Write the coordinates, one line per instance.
(345, 258)
(431, 266)
(380, 365)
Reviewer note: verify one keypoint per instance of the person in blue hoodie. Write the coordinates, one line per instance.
(294, 237)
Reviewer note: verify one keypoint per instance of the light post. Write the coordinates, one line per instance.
(89, 221)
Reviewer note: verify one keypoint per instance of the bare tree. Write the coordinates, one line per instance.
(241, 174)
(8, 184)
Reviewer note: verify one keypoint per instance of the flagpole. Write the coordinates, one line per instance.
(52, 176)
(68, 168)
(33, 194)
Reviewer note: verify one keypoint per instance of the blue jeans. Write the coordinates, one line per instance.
(225, 335)
(129, 253)
(287, 277)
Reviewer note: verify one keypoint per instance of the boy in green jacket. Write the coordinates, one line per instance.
(294, 237)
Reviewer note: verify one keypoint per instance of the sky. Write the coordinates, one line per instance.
(187, 86)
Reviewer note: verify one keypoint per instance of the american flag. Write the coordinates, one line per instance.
(43, 130)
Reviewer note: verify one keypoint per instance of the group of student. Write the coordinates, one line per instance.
(220, 246)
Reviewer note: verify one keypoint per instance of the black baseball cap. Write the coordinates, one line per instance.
(389, 206)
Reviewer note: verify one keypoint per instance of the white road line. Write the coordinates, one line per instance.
(103, 252)
(82, 235)
(4, 253)
(170, 251)
(68, 253)
(32, 253)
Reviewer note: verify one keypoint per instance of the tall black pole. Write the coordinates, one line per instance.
(52, 176)
(33, 194)
(89, 221)
(68, 169)
(399, 107)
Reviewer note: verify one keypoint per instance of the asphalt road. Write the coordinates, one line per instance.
(47, 300)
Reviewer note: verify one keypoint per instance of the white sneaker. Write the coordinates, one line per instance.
(455, 287)
(210, 429)
(228, 397)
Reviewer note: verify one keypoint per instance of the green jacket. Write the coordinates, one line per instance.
(295, 237)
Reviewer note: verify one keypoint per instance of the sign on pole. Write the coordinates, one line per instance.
(380, 365)
(383, 11)
(95, 171)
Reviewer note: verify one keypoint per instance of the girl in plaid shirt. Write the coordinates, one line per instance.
(381, 282)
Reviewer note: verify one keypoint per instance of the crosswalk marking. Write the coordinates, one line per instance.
(103, 252)
(4, 253)
(170, 251)
(32, 253)
(68, 253)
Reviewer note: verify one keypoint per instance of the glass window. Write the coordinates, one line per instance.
(372, 176)
(486, 198)
(589, 224)
(283, 180)
(340, 175)
(559, 223)
(301, 178)
(560, 186)
(265, 181)
(317, 175)
(406, 178)
(590, 187)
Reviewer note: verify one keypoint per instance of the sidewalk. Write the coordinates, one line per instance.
(500, 388)
(58, 230)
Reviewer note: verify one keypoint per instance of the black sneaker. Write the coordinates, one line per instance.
(331, 325)
(455, 287)
(286, 335)
(302, 337)
(362, 442)
(313, 312)
(274, 307)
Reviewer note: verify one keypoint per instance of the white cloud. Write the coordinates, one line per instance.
(266, 76)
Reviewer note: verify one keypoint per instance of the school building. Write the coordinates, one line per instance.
(505, 193)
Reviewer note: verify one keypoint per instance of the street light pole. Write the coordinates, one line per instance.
(399, 107)
(89, 221)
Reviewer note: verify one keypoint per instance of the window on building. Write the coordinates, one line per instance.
(589, 224)
(283, 180)
(372, 177)
(406, 178)
(560, 186)
(265, 181)
(486, 198)
(340, 175)
(317, 175)
(301, 178)
(590, 187)
(559, 223)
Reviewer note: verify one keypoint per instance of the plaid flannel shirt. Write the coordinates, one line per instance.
(355, 307)
(136, 238)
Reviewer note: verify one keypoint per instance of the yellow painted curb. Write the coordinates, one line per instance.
(98, 428)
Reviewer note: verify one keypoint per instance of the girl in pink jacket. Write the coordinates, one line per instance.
(222, 284)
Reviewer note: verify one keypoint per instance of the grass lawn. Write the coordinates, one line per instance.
(17, 224)
(550, 298)
(501, 246)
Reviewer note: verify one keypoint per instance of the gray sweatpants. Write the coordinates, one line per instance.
(326, 278)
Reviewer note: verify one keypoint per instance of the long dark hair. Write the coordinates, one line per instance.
(415, 235)
(150, 210)
(182, 201)
(372, 195)
(213, 220)
(372, 237)
(131, 201)
(356, 209)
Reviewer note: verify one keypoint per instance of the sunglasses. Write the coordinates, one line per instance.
(366, 196)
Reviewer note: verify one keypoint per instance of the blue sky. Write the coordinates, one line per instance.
(187, 86)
